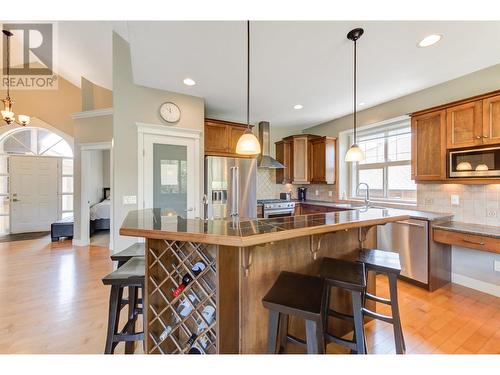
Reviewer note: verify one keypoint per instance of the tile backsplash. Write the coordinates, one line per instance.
(478, 204)
(267, 188)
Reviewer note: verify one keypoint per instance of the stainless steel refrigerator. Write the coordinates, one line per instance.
(230, 187)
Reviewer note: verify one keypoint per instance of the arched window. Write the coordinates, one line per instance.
(32, 141)
(35, 141)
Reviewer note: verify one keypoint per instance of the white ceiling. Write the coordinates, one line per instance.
(308, 63)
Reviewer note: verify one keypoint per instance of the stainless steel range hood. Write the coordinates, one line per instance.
(265, 160)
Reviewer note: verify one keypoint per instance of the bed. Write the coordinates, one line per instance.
(100, 213)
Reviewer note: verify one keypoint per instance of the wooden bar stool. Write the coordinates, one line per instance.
(135, 250)
(297, 295)
(350, 276)
(386, 263)
(130, 275)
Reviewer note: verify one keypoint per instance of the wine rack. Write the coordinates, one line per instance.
(172, 320)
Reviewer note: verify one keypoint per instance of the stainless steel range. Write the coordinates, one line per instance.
(276, 207)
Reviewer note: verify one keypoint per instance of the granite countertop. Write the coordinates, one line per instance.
(414, 214)
(477, 229)
(150, 223)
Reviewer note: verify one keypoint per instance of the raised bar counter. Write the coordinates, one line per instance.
(242, 259)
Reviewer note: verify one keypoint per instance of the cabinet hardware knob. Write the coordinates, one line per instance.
(478, 137)
(485, 136)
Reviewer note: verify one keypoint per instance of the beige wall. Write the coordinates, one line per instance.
(131, 104)
(52, 106)
(476, 201)
(87, 130)
(95, 97)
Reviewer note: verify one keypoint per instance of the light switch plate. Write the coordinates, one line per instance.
(316, 192)
(129, 199)
(497, 265)
(455, 200)
(330, 193)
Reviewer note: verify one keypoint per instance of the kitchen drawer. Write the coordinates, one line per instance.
(473, 241)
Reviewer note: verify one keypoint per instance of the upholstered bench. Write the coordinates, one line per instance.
(62, 228)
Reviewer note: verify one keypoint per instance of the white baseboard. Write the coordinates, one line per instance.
(77, 242)
(482, 286)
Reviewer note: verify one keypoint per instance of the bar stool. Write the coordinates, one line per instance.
(130, 275)
(297, 295)
(349, 276)
(135, 250)
(386, 263)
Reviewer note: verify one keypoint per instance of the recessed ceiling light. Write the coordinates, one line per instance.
(429, 40)
(298, 106)
(189, 82)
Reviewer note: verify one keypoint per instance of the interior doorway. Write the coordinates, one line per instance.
(96, 200)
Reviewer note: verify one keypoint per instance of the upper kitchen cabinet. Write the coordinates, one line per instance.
(428, 160)
(464, 125)
(301, 158)
(221, 137)
(284, 154)
(491, 120)
(322, 156)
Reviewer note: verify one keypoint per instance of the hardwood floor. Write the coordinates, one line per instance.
(53, 301)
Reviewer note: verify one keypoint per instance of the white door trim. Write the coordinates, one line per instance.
(161, 130)
(84, 239)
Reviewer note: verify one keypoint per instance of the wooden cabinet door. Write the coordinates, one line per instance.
(235, 132)
(491, 120)
(284, 154)
(428, 154)
(322, 160)
(300, 160)
(464, 125)
(216, 138)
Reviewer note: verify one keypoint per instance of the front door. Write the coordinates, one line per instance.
(34, 199)
(171, 175)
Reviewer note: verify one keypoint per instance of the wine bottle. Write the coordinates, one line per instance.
(186, 279)
(184, 309)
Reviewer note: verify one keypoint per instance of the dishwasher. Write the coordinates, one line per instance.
(409, 238)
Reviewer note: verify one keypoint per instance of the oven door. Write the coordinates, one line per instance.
(277, 213)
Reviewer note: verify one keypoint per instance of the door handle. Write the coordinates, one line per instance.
(15, 200)
(474, 242)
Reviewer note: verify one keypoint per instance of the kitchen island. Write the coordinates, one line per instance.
(205, 278)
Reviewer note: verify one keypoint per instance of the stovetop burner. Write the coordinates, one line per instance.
(266, 201)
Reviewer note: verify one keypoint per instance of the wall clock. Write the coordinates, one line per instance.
(170, 112)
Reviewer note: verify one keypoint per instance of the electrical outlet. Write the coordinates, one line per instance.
(491, 213)
(455, 200)
(429, 201)
(330, 193)
(316, 192)
(497, 265)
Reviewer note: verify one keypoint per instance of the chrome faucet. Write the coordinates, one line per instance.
(367, 194)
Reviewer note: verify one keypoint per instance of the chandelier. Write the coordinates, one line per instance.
(7, 114)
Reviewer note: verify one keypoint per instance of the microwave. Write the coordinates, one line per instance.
(474, 163)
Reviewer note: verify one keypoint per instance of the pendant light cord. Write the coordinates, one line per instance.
(248, 75)
(355, 91)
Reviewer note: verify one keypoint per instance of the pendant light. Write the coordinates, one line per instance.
(7, 114)
(248, 144)
(354, 153)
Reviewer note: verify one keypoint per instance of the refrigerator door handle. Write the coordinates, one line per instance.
(236, 194)
(234, 198)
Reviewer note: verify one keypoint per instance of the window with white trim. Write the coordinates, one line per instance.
(386, 168)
